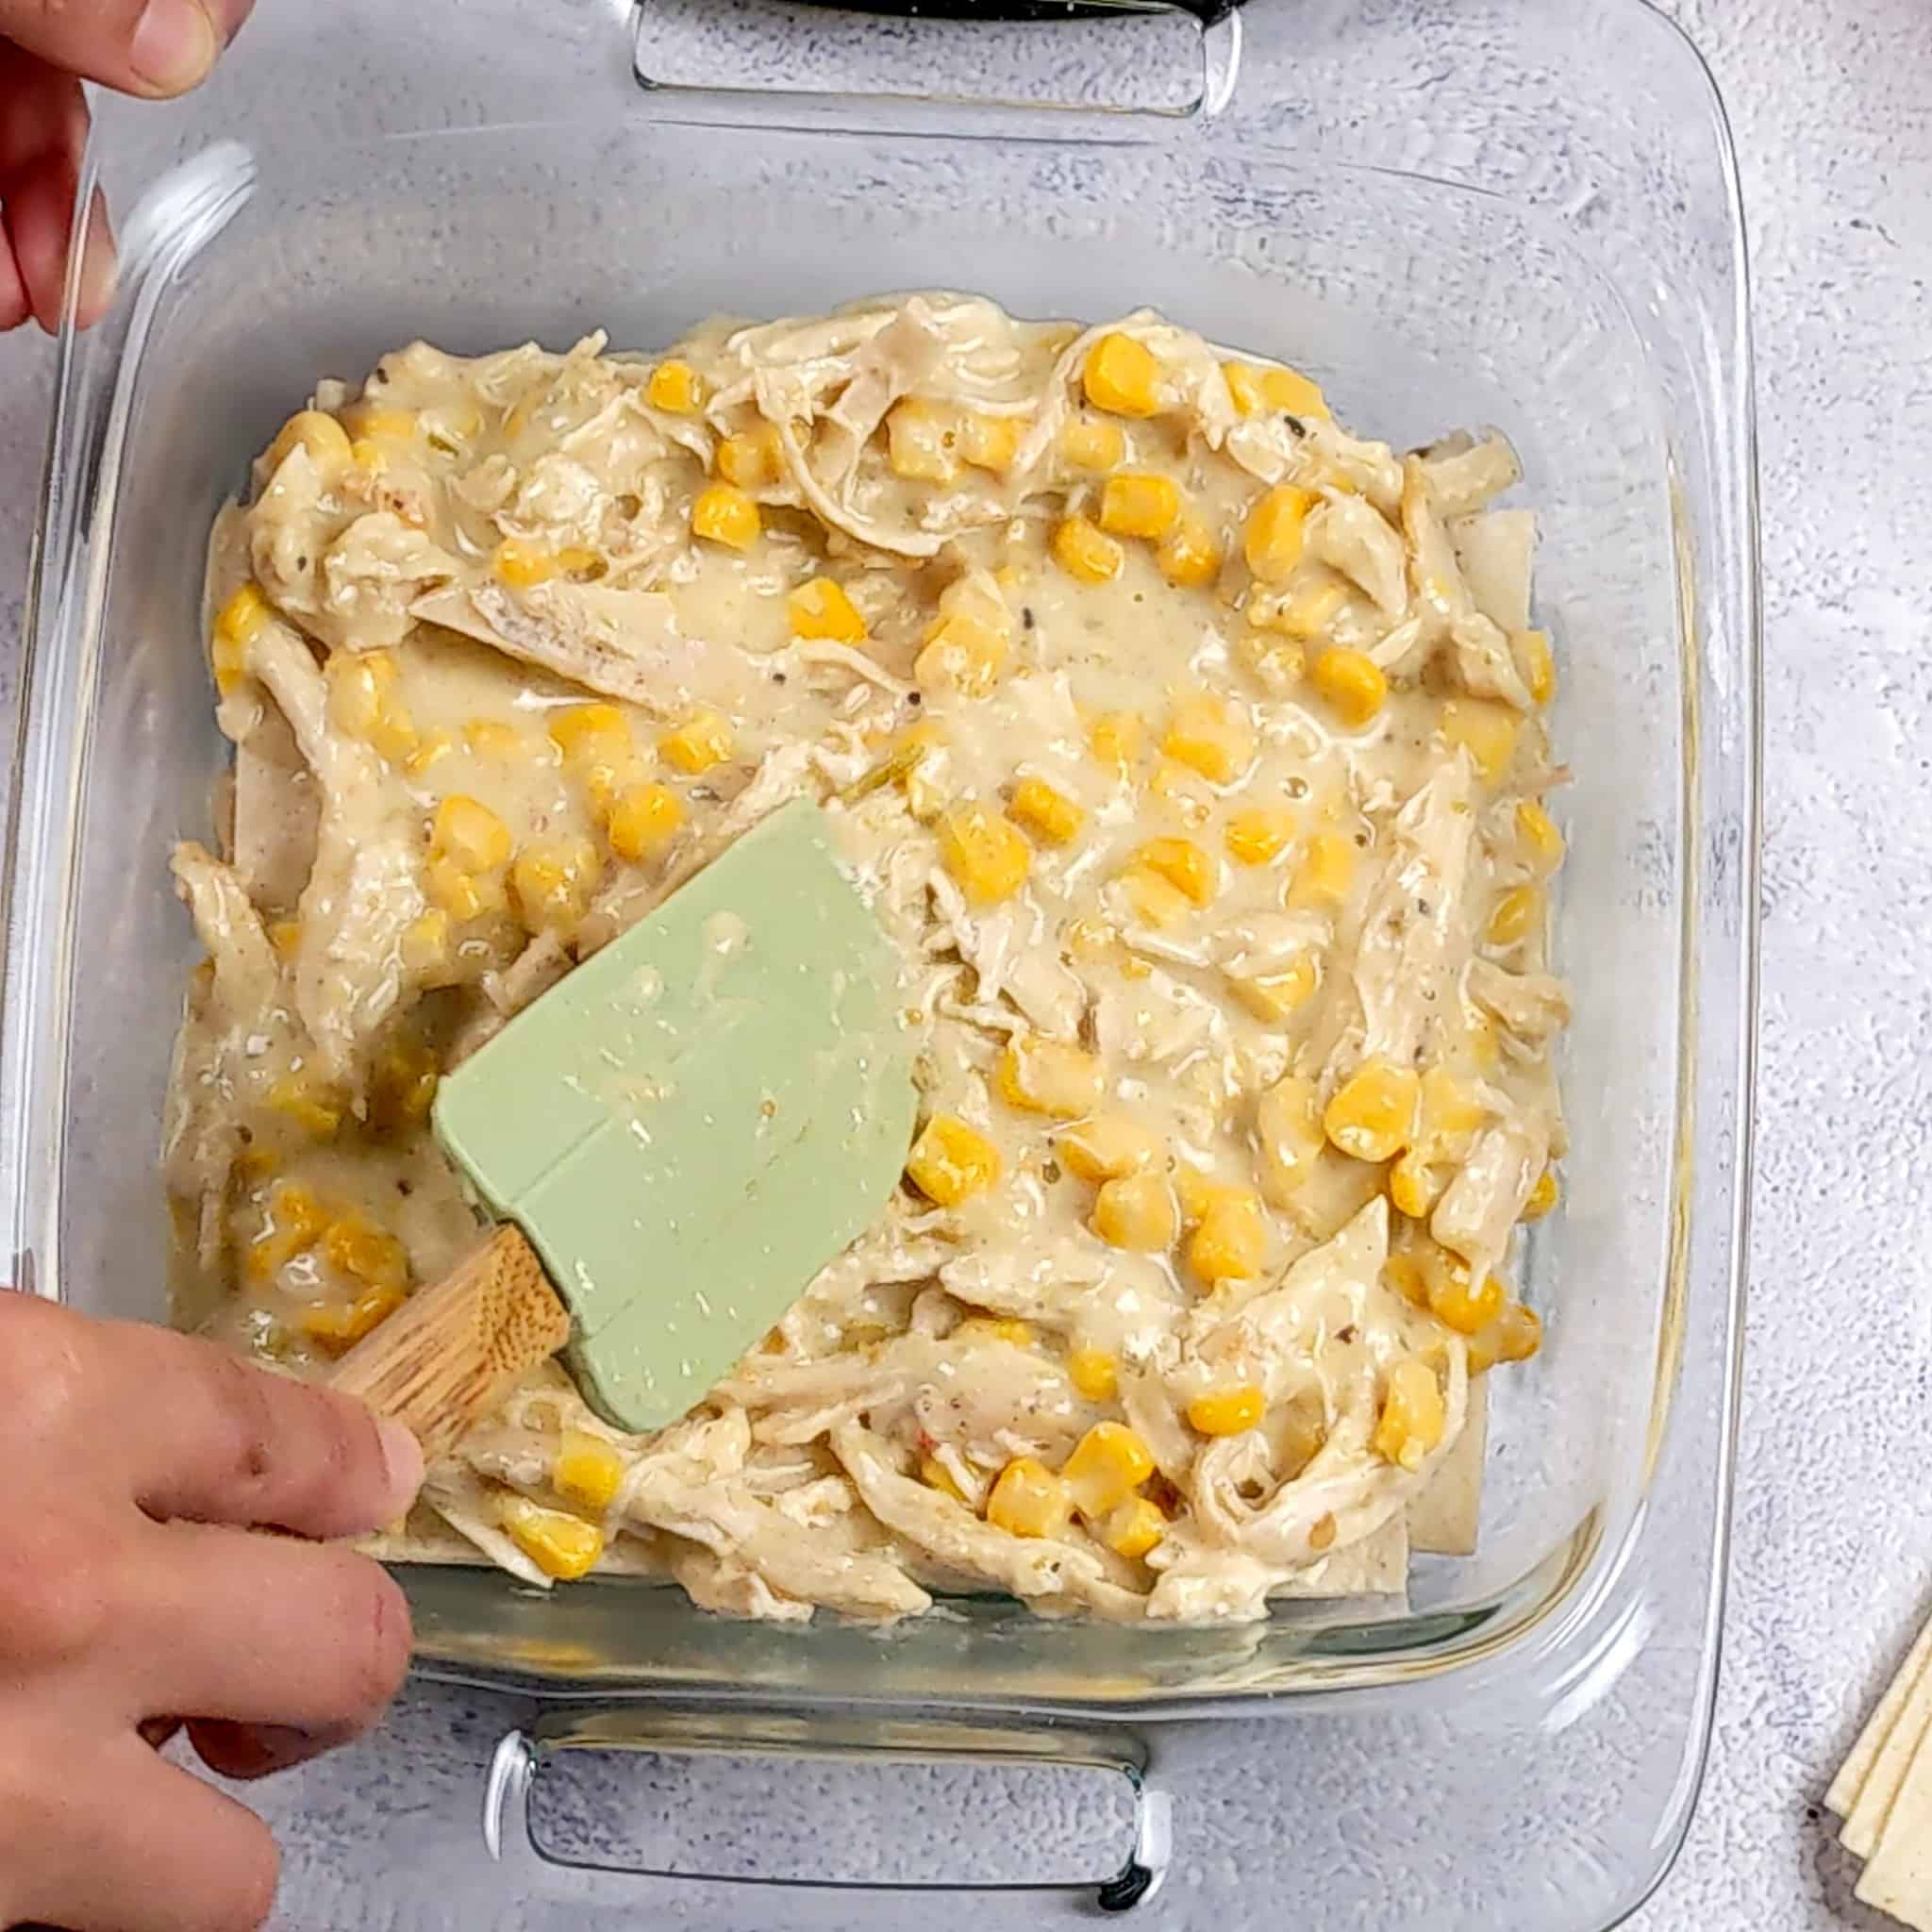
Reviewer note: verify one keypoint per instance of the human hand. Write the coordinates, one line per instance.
(47, 48)
(137, 1592)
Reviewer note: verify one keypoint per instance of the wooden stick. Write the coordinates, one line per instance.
(451, 1353)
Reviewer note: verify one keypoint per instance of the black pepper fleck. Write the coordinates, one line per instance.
(1026, 618)
(1347, 1334)
(915, 698)
(777, 677)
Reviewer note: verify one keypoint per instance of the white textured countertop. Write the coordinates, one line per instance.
(1832, 1564)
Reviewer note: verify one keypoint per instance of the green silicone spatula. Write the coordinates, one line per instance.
(685, 1130)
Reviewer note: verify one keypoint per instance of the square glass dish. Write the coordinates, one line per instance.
(1451, 213)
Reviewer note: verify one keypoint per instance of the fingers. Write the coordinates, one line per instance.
(228, 1442)
(44, 125)
(155, 47)
(264, 1631)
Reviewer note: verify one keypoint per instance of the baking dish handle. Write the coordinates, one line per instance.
(511, 1839)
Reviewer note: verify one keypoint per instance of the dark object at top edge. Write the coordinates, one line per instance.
(1207, 11)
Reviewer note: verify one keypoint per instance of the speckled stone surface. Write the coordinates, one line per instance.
(1832, 1562)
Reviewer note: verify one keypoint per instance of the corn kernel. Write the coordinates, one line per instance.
(1231, 1242)
(703, 739)
(1211, 735)
(1007, 1329)
(295, 1222)
(1108, 1463)
(1094, 1374)
(1485, 729)
(986, 853)
(962, 655)
(1288, 1136)
(522, 564)
(337, 1325)
(462, 895)
(750, 459)
(644, 821)
(1136, 1211)
(1543, 1196)
(936, 1475)
(1091, 446)
(430, 751)
(1413, 1186)
(1324, 874)
(1308, 613)
(1289, 390)
(285, 936)
(468, 831)
(560, 1545)
(1115, 737)
(1244, 387)
(1084, 551)
(588, 733)
(1139, 503)
(1412, 1418)
(1152, 899)
(1106, 1147)
(1273, 996)
(951, 1161)
(1254, 837)
(1519, 1333)
(920, 442)
(1122, 376)
(404, 1085)
(1048, 1076)
(1048, 812)
(1518, 913)
(1272, 541)
(586, 1471)
(1373, 1115)
(1531, 650)
(314, 1106)
(394, 734)
(990, 442)
(1134, 1526)
(320, 434)
(1460, 1301)
(1190, 560)
(380, 423)
(676, 388)
(490, 738)
(1227, 1411)
(236, 628)
(723, 513)
(1029, 1499)
(1539, 832)
(1197, 1192)
(1406, 1273)
(552, 880)
(1353, 685)
(1275, 666)
(354, 1246)
(1183, 864)
(821, 609)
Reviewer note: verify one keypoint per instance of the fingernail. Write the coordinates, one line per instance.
(174, 45)
(402, 1456)
(99, 263)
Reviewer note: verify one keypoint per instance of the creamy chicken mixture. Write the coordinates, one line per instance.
(1189, 750)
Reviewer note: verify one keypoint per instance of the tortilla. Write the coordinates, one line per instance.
(1870, 1816)
(1898, 1877)
(1442, 1519)
(1849, 1784)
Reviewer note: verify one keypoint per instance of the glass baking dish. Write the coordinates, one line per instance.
(1451, 212)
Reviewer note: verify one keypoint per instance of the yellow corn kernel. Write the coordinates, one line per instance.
(1517, 1331)
(1133, 1526)
(1108, 1463)
(1272, 541)
(1353, 685)
(314, 1106)
(1151, 899)
(1136, 1211)
(358, 682)
(404, 1087)
(1211, 735)
(1308, 613)
(751, 459)
(337, 1325)
(1049, 812)
(1197, 1192)
(590, 733)
(430, 751)
(1106, 1147)
(1413, 1186)
(356, 1247)
(676, 388)
(320, 434)
(1091, 446)
(1539, 832)
(256, 1162)
(1518, 913)
(1254, 837)
(1183, 864)
(1244, 386)
(951, 1161)
(644, 821)
(986, 853)
(240, 621)
(463, 896)
(990, 442)
(295, 1222)
(379, 423)
(1085, 551)
(1289, 390)
(1485, 729)
(1288, 1136)
(1275, 666)
(490, 738)
(560, 1545)
(703, 739)
(1007, 1329)
(1460, 1301)
(1115, 737)
(1190, 560)
(962, 655)
(522, 564)
(1276, 995)
(936, 1475)
(394, 734)
(1452, 1113)
(1139, 503)
(552, 879)
(920, 442)
(586, 1471)
(285, 936)
(1407, 1274)
(821, 609)
(1094, 1374)
(1373, 1115)
(1122, 376)
(1029, 1499)
(1227, 1411)
(1543, 1196)
(723, 513)
(468, 831)
(1531, 650)
(1325, 872)
(1232, 1238)
(1048, 1076)
(1412, 1417)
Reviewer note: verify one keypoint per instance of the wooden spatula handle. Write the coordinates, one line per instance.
(451, 1352)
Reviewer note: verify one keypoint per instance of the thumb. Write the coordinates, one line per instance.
(139, 46)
